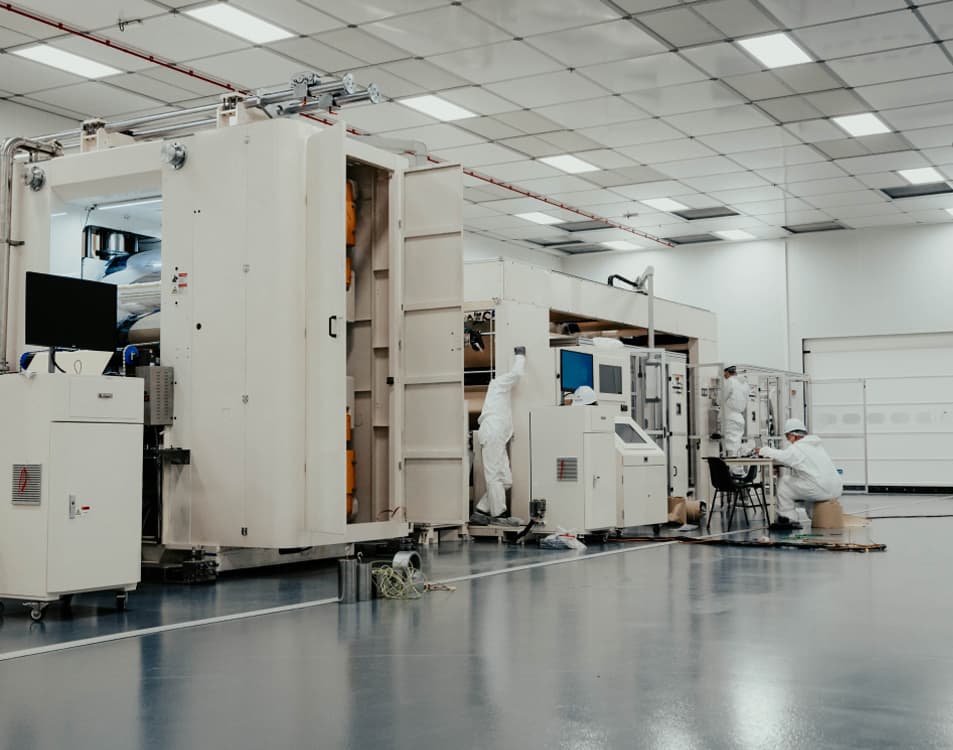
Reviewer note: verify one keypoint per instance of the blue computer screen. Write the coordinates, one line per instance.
(575, 370)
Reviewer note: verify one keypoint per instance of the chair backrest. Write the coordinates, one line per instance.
(720, 474)
(752, 474)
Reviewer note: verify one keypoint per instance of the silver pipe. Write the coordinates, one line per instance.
(8, 152)
(173, 128)
(371, 93)
(649, 276)
(133, 122)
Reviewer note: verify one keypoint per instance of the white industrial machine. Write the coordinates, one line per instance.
(308, 361)
(594, 470)
(69, 521)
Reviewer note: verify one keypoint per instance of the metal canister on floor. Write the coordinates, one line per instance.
(347, 580)
(365, 585)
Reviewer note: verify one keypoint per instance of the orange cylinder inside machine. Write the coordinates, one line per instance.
(350, 467)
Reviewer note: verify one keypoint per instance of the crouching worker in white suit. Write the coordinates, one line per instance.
(811, 476)
(496, 430)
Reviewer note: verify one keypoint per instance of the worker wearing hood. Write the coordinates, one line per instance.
(736, 396)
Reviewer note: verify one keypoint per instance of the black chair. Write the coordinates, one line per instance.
(755, 488)
(735, 492)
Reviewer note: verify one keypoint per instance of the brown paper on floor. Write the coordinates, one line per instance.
(693, 511)
(677, 511)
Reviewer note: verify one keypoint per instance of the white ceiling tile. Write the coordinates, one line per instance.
(749, 195)
(497, 62)
(762, 85)
(881, 221)
(615, 210)
(640, 6)
(859, 210)
(843, 148)
(721, 60)
(600, 43)
(838, 102)
(629, 133)
(810, 12)
(934, 216)
(930, 137)
(607, 158)
(778, 157)
(435, 31)
(478, 210)
(884, 163)
(528, 17)
(292, 15)
(808, 77)
(645, 190)
(755, 139)
(698, 200)
(425, 74)
(813, 131)
(940, 18)
(790, 109)
(847, 200)
(10, 38)
(569, 141)
(719, 183)
(736, 17)
(478, 100)
(681, 27)
(860, 36)
(29, 110)
(895, 65)
(656, 71)
(370, 10)
(362, 45)
(654, 153)
(158, 90)
(561, 184)
(391, 86)
(878, 180)
(909, 92)
(178, 80)
(937, 156)
(532, 145)
(922, 116)
(176, 37)
(801, 172)
(489, 127)
(549, 88)
(479, 155)
(438, 136)
(820, 187)
(712, 165)
(89, 16)
(761, 208)
(585, 198)
(633, 176)
(527, 121)
(805, 217)
(719, 120)
(316, 55)
(925, 202)
(377, 118)
(252, 68)
(689, 97)
(22, 76)
(592, 112)
(100, 53)
(96, 99)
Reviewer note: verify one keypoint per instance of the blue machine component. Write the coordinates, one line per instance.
(575, 369)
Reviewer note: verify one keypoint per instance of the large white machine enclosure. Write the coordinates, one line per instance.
(70, 511)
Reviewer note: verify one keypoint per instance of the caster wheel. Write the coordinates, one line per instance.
(36, 614)
(2, 607)
(657, 529)
(121, 602)
(604, 539)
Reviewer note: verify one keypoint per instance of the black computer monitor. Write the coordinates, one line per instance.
(70, 313)
(575, 369)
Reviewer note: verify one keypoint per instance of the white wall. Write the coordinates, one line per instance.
(16, 119)
(479, 247)
(771, 295)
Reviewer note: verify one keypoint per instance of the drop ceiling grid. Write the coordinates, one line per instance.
(581, 46)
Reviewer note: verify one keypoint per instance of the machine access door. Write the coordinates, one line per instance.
(601, 480)
(94, 516)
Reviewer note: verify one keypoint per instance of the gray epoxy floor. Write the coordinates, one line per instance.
(677, 646)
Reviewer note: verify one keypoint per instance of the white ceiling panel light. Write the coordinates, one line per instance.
(861, 125)
(664, 204)
(129, 204)
(570, 164)
(950, 211)
(437, 108)
(734, 234)
(540, 218)
(238, 22)
(58, 58)
(775, 50)
(622, 245)
(922, 176)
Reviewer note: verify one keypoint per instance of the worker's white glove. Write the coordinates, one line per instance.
(520, 350)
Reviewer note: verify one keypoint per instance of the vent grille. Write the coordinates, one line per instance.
(567, 469)
(817, 226)
(691, 239)
(592, 247)
(713, 212)
(583, 226)
(26, 484)
(914, 191)
(553, 241)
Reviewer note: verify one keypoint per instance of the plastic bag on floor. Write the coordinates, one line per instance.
(562, 539)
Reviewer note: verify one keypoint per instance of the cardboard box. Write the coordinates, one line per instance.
(676, 510)
(828, 514)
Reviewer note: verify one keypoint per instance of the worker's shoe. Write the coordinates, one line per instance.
(479, 519)
(783, 523)
(506, 521)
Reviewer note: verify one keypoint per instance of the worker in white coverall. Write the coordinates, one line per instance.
(735, 414)
(496, 430)
(811, 476)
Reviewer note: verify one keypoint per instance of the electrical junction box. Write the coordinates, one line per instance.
(157, 395)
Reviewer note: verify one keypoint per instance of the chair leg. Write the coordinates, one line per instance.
(743, 499)
(764, 503)
(732, 504)
(714, 503)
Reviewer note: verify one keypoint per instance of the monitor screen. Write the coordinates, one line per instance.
(628, 433)
(610, 379)
(70, 313)
(575, 369)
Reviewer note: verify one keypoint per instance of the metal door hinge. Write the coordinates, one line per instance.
(245, 398)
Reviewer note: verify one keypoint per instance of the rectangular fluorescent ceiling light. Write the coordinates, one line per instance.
(622, 245)
(238, 22)
(664, 204)
(775, 50)
(860, 125)
(129, 204)
(437, 108)
(920, 176)
(734, 234)
(569, 163)
(58, 58)
(539, 218)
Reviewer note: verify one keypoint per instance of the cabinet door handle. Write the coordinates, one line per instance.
(331, 321)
